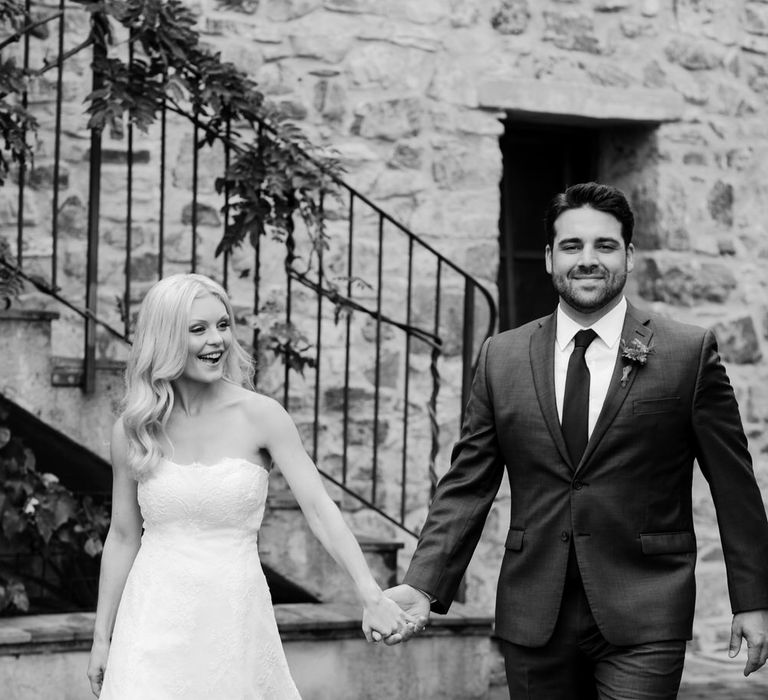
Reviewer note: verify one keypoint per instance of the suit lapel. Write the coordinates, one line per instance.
(636, 325)
(542, 353)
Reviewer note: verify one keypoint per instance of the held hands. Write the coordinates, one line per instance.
(752, 626)
(96, 665)
(415, 605)
(383, 619)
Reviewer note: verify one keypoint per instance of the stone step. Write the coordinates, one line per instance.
(45, 656)
(46, 388)
(26, 379)
(288, 547)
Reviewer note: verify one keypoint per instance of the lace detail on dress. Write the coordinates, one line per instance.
(196, 618)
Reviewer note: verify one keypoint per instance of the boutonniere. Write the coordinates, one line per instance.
(634, 353)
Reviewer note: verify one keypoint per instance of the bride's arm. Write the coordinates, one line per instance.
(325, 519)
(120, 548)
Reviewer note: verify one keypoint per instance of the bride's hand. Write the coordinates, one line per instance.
(383, 619)
(97, 662)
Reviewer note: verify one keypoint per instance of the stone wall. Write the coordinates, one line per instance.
(394, 88)
(397, 90)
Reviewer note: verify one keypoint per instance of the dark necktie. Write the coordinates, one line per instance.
(576, 400)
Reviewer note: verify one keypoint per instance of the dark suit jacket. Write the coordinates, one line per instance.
(626, 507)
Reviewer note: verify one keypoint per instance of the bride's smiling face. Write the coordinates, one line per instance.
(210, 337)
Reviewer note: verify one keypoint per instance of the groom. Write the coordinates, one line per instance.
(597, 412)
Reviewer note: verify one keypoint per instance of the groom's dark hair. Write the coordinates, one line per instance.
(605, 198)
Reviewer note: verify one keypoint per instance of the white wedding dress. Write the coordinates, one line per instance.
(195, 621)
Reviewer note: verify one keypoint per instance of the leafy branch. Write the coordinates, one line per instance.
(39, 517)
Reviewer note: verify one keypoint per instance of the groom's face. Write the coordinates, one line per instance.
(588, 260)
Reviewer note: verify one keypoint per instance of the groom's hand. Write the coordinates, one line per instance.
(752, 626)
(415, 604)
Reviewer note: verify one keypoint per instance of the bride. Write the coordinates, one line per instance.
(184, 611)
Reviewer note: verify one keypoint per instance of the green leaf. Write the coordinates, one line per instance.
(93, 546)
(45, 522)
(18, 596)
(5, 436)
(13, 523)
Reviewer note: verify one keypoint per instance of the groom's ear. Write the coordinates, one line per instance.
(548, 258)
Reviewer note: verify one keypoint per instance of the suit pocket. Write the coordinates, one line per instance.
(664, 405)
(514, 540)
(667, 542)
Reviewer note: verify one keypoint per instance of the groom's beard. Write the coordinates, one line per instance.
(589, 289)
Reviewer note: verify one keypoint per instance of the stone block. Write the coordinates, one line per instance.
(651, 8)
(293, 109)
(756, 18)
(390, 368)
(144, 267)
(694, 54)
(407, 155)
(356, 6)
(390, 120)
(511, 17)
(317, 46)
(43, 176)
(286, 10)
(453, 84)
(72, 218)
(737, 341)
(359, 399)
(720, 203)
(611, 75)
(632, 28)
(206, 215)
(376, 64)
(464, 13)
(680, 280)
(360, 432)
(424, 11)
(537, 99)
(611, 5)
(330, 100)
(572, 32)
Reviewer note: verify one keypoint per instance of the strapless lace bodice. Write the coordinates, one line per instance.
(229, 495)
(195, 619)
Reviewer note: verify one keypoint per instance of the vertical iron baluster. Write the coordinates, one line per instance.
(23, 157)
(347, 343)
(128, 212)
(256, 240)
(290, 245)
(195, 163)
(161, 227)
(225, 256)
(377, 369)
(57, 153)
(467, 343)
(436, 350)
(92, 255)
(319, 326)
(407, 383)
(256, 299)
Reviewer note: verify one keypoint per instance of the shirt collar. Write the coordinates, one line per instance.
(608, 327)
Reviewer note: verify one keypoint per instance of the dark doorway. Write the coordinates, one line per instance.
(539, 161)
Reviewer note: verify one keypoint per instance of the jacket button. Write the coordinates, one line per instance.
(564, 536)
(577, 485)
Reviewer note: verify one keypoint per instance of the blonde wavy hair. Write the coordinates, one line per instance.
(158, 356)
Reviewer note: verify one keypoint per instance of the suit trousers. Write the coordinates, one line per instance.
(577, 663)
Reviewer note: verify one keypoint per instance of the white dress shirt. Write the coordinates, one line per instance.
(600, 357)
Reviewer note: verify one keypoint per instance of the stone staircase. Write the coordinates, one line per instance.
(324, 644)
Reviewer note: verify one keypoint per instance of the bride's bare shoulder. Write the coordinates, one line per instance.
(260, 407)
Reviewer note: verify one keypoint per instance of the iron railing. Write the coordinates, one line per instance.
(395, 325)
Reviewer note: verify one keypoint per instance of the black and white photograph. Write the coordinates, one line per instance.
(383, 349)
